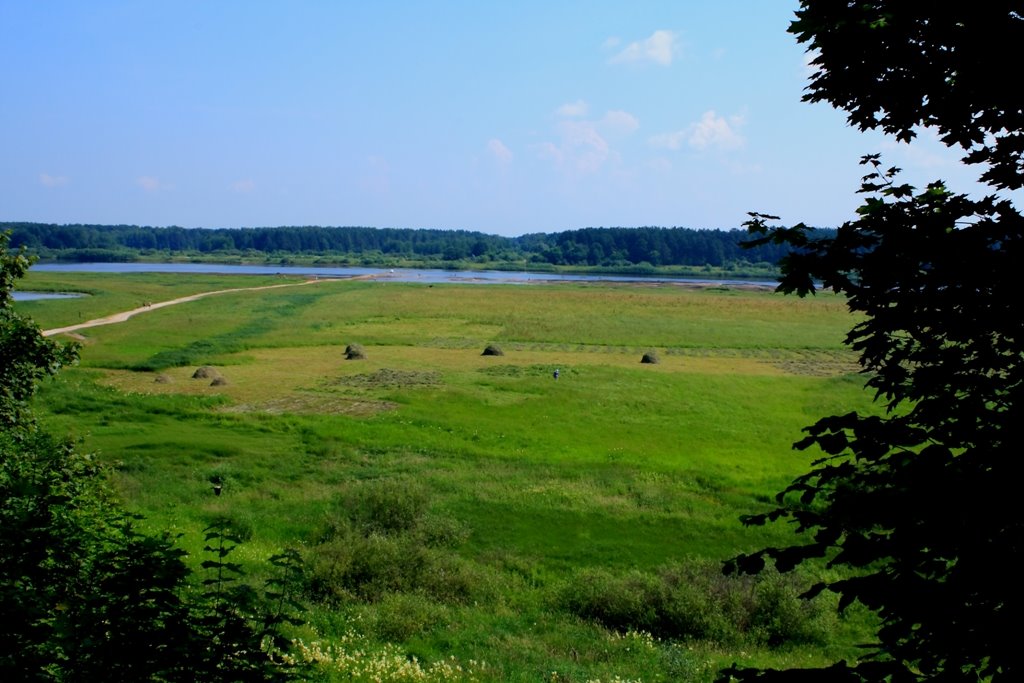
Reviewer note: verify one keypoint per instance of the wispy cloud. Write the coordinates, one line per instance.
(620, 121)
(47, 180)
(660, 48)
(498, 150)
(582, 144)
(580, 147)
(150, 183)
(710, 132)
(243, 186)
(925, 152)
(573, 109)
(810, 69)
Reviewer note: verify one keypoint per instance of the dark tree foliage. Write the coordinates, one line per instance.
(900, 65)
(595, 247)
(917, 508)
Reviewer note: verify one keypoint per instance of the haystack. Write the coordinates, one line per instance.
(219, 382)
(355, 352)
(650, 357)
(205, 372)
(492, 350)
(162, 379)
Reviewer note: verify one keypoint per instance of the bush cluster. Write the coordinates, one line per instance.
(381, 539)
(696, 601)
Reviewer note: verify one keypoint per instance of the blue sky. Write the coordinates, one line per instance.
(507, 118)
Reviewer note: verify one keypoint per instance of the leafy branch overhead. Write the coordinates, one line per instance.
(916, 508)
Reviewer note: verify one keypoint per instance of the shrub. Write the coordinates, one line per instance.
(448, 578)
(381, 540)
(696, 601)
(383, 506)
(620, 602)
(400, 616)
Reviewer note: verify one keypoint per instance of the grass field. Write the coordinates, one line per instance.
(471, 511)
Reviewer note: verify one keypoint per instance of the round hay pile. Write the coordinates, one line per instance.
(162, 379)
(650, 357)
(205, 372)
(493, 350)
(218, 382)
(355, 352)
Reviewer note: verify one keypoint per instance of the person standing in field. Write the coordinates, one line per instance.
(555, 375)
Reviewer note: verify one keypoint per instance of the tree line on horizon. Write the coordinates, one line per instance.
(588, 247)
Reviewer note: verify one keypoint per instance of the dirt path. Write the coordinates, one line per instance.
(125, 315)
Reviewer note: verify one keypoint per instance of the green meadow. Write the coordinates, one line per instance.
(470, 517)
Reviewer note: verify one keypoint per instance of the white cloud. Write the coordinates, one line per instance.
(580, 148)
(573, 109)
(551, 152)
(711, 132)
(716, 131)
(243, 186)
(926, 153)
(582, 145)
(671, 141)
(621, 121)
(47, 180)
(499, 151)
(149, 183)
(612, 42)
(811, 70)
(660, 48)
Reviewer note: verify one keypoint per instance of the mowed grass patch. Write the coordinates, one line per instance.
(551, 317)
(590, 315)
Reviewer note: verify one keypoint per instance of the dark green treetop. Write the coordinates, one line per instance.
(917, 508)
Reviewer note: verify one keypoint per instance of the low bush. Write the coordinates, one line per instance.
(370, 568)
(380, 539)
(379, 506)
(695, 601)
(401, 616)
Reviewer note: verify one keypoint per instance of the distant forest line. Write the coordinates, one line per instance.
(628, 249)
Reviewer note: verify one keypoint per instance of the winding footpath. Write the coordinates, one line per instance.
(125, 315)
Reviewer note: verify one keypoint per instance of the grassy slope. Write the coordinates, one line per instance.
(616, 465)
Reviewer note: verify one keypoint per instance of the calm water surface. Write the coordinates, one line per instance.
(426, 275)
(36, 296)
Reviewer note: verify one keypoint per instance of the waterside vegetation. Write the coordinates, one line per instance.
(646, 250)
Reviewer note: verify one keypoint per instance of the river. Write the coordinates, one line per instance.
(426, 275)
